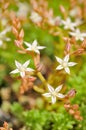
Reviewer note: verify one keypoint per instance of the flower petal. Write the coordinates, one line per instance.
(58, 88)
(50, 88)
(81, 38)
(14, 71)
(26, 63)
(37, 51)
(27, 44)
(84, 34)
(72, 34)
(66, 58)
(5, 31)
(53, 99)
(22, 74)
(34, 43)
(71, 63)
(60, 95)
(72, 28)
(29, 69)
(59, 59)
(41, 47)
(77, 31)
(59, 67)
(29, 49)
(67, 70)
(47, 94)
(68, 20)
(18, 65)
(63, 22)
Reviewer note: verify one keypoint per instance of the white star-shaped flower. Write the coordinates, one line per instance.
(23, 9)
(54, 93)
(4, 21)
(3, 35)
(33, 47)
(22, 68)
(74, 12)
(35, 17)
(64, 64)
(54, 21)
(68, 24)
(78, 35)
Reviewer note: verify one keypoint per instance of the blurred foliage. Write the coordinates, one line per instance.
(45, 120)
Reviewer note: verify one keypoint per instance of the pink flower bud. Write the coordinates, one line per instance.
(21, 34)
(17, 43)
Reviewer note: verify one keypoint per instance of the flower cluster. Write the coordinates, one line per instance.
(67, 29)
(45, 80)
(44, 18)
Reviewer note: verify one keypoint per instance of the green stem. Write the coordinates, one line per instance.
(41, 78)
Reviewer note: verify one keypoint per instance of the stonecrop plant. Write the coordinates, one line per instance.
(43, 50)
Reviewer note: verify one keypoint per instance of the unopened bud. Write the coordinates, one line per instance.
(71, 93)
(14, 23)
(84, 44)
(77, 113)
(75, 106)
(67, 106)
(62, 9)
(15, 32)
(79, 51)
(71, 112)
(5, 125)
(21, 34)
(18, 43)
(73, 40)
(18, 25)
(68, 47)
(6, 5)
(80, 118)
(76, 117)
(32, 78)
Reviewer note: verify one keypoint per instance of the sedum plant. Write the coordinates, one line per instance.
(54, 108)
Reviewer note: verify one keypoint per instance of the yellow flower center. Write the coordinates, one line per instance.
(54, 93)
(22, 69)
(64, 64)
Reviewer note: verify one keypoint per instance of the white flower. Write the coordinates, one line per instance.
(79, 21)
(23, 9)
(22, 68)
(35, 17)
(64, 64)
(34, 47)
(68, 24)
(3, 35)
(78, 35)
(74, 11)
(4, 21)
(54, 93)
(54, 21)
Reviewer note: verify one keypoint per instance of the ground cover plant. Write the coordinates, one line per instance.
(42, 65)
